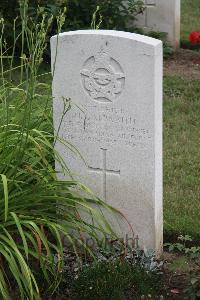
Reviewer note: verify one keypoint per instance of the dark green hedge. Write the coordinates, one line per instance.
(113, 13)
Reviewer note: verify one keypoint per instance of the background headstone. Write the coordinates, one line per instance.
(164, 16)
(115, 82)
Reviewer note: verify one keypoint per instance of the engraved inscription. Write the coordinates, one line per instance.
(107, 125)
(102, 77)
(104, 171)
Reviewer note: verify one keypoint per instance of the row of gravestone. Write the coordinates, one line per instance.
(115, 82)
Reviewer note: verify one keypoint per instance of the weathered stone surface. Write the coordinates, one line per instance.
(115, 82)
(164, 16)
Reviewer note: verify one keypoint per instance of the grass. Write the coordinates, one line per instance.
(116, 280)
(190, 17)
(181, 156)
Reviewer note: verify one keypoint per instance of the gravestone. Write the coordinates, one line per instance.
(163, 16)
(115, 82)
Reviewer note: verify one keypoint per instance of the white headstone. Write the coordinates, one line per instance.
(163, 16)
(116, 80)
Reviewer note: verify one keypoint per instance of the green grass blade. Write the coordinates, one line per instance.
(5, 189)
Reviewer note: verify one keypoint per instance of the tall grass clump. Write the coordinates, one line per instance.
(32, 227)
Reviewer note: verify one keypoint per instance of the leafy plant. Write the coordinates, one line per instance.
(182, 246)
(37, 211)
(114, 14)
(193, 290)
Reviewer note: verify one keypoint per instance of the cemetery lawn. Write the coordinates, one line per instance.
(189, 17)
(182, 155)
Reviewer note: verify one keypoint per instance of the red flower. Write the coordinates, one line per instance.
(194, 37)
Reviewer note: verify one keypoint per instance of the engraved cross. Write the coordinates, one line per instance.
(104, 171)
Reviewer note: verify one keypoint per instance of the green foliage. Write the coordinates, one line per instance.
(79, 14)
(189, 253)
(184, 247)
(32, 228)
(108, 14)
(193, 290)
(115, 14)
(115, 280)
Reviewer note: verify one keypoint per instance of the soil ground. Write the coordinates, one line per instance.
(184, 63)
(177, 274)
